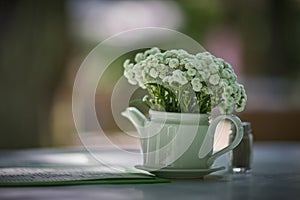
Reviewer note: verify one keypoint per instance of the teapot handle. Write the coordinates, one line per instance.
(210, 135)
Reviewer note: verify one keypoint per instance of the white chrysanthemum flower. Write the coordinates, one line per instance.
(170, 54)
(200, 65)
(158, 67)
(183, 62)
(233, 78)
(237, 96)
(191, 72)
(126, 64)
(152, 51)
(189, 65)
(203, 64)
(219, 62)
(208, 59)
(204, 75)
(154, 61)
(199, 56)
(162, 75)
(196, 84)
(174, 63)
(206, 53)
(165, 68)
(182, 54)
(139, 57)
(160, 57)
(225, 96)
(223, 83)
(153, 73)
(241, 105)
(213, 68)
(235, 88)
(244, 100)
(225, 74)
(155, 50)
(229, 101)
(137, 69)
(162, 70)
(139, 79)
(214, 79)
(167, 60)
(239, 108)
(130, 76)
(228, 89)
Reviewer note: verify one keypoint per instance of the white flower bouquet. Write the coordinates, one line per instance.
(178, 81)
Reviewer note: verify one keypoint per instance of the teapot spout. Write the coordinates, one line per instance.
(135, 117)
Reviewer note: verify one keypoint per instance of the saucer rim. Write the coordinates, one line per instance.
(176, 170)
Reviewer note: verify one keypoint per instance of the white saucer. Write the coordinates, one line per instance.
(179, 173)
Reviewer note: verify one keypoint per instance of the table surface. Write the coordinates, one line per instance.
(275, 175)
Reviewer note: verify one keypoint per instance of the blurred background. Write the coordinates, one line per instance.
(43, 44)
